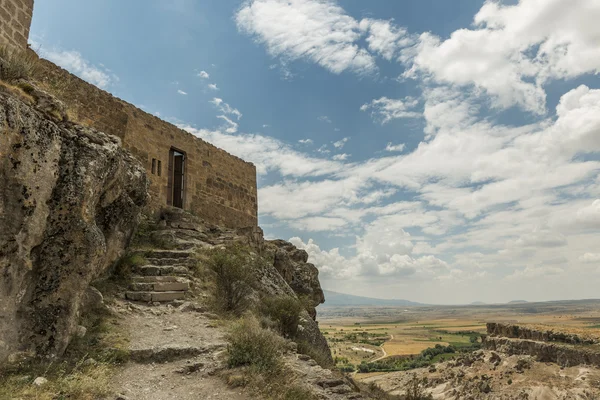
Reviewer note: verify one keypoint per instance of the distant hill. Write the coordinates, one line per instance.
(518, 302)
(334, 299)
(478, 303)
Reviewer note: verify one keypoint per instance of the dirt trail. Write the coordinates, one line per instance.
(383, 349)
(175, 354)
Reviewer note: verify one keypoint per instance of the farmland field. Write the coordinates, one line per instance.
(382, 334)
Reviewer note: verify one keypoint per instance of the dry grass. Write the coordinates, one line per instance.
(83, 383)
(85, 371)
(16, 65)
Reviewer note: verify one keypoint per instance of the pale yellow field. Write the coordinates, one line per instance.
(406, 347)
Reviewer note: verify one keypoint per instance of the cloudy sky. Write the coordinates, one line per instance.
(432, 150)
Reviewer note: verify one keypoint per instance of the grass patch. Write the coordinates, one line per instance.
(252, 346)
(16, 65)
(284, 312)
(127, 264)
(234, 279)
(83, 373)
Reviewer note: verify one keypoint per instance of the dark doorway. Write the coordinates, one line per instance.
(176, 188)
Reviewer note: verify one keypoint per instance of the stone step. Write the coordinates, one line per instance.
(166, 253)
(160, 287)
(154, 296)
(150, 279)
(170, 353)
(170, 261)
(162, 270)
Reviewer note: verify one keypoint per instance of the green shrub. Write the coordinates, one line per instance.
(126, 264)
(299, 393)
(251, 345)
(234, 278)
(15, 65)
(284, 312)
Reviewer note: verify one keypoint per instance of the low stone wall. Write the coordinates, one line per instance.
(220, 187)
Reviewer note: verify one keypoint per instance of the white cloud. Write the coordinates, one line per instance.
(542, 238)
(268, 154)
(319, 31)
(230, 126)
(226, 108)
(182, 92)
(324, 118)
(203, 75)
(590, 258)
(266, 126)
(341, 143)
(74, 62)
(514, 50)
(385, 38)
(323, 149)
(395, 147)
(341, 157)
(386, 110)
(305, 141)
(213, 86)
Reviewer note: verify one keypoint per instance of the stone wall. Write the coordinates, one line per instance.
(15, 20)
(220, 187)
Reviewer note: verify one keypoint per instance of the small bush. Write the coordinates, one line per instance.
(127, 264)
(15, 65)
(415, 391)
(285, 312)
(251, 345)
(234, 278)
(374, 392)
(299, 393)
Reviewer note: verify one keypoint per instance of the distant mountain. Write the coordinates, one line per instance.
(334, 299)
(518, 302)
(478, 303)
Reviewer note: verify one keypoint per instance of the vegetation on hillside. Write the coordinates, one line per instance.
(16, 65)
(84, 372)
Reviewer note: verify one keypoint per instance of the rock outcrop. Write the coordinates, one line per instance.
(542, 335)
(69, 201)
(303, 277)
(563, 355)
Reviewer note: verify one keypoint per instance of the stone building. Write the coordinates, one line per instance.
(185, 171)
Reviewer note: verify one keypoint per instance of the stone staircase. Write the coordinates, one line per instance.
(164, 277)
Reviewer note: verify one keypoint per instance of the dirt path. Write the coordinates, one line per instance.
(175, 355)
(383, 349)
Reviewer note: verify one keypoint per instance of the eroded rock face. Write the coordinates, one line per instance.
(544, 335)
(302, 276)
(69, 201)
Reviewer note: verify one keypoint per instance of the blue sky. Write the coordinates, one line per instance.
(443, 152)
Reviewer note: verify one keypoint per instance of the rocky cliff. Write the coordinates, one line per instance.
(69, 202)
(538, 333)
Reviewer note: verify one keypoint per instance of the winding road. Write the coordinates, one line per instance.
(382, 349)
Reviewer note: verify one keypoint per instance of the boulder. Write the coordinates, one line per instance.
(70, 198)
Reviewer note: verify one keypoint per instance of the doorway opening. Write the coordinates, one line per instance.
(176, 195)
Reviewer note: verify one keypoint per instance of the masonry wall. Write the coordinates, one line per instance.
(220, 187)
(15, 20)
